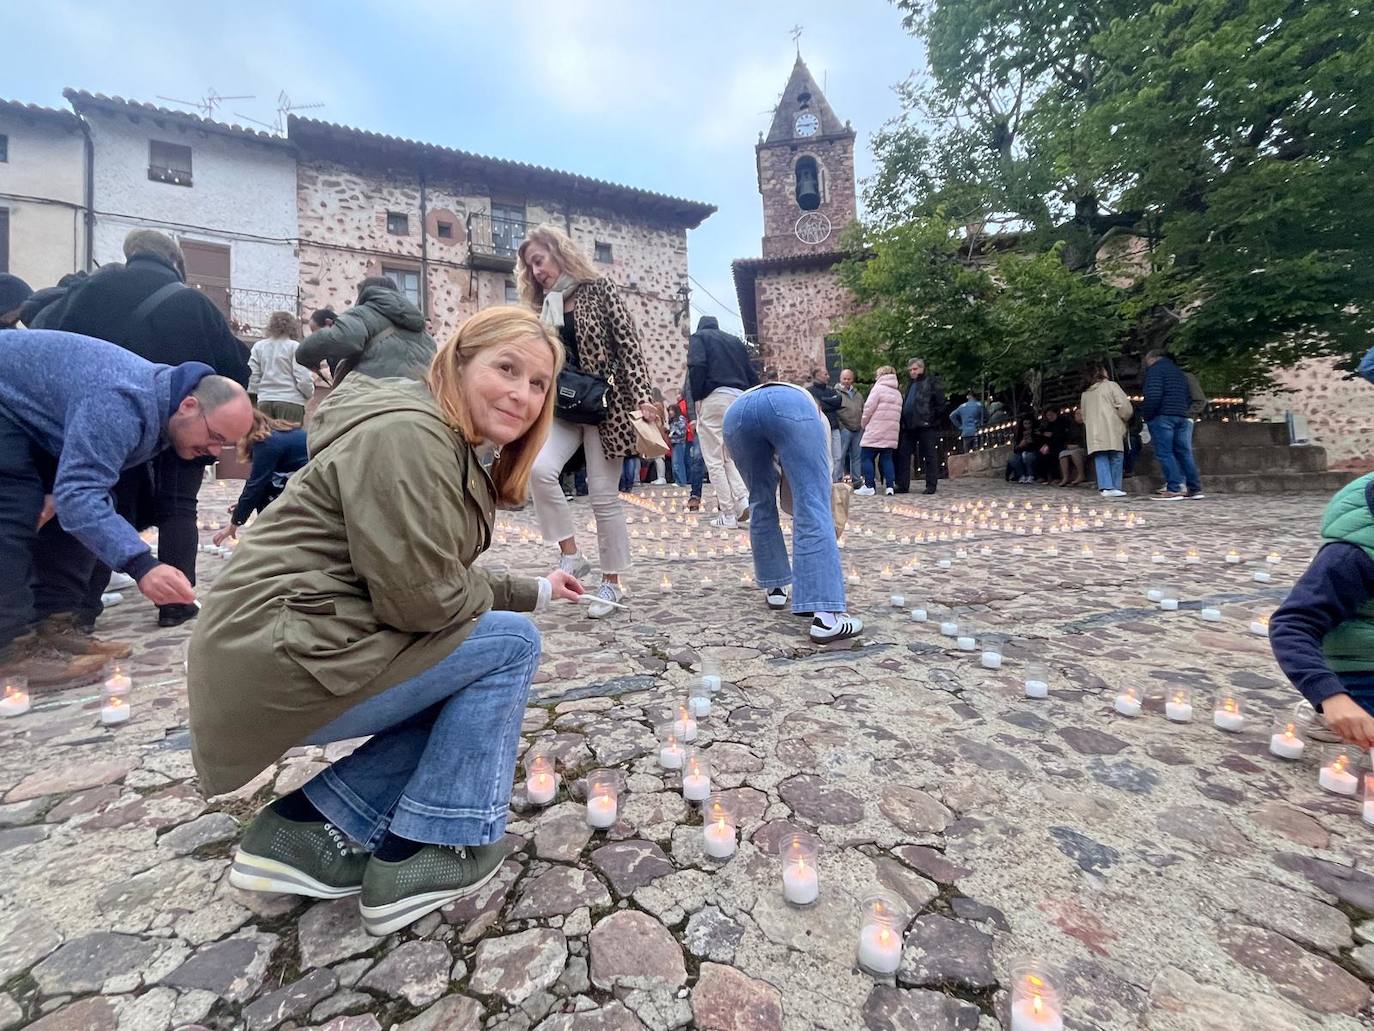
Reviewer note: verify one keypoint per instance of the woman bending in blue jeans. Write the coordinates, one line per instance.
(778, 425)
(354, 609)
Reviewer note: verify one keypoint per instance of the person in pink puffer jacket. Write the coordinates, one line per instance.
(882, 422)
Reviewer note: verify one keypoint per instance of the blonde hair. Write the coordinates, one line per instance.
(263, 427)
(282, 324)
(569, 257)
(885, 370)
(495, 327)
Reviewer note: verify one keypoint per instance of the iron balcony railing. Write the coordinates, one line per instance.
(493, 240)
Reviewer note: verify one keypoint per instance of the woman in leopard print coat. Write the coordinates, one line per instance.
(600, 337)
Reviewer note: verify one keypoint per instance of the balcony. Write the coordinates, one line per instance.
(249, 310)
(493, 240)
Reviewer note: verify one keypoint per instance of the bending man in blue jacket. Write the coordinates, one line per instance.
(76, 412)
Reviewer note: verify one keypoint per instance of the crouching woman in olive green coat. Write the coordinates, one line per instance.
(354, 608)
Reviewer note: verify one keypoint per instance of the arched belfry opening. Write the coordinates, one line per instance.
(808, 176)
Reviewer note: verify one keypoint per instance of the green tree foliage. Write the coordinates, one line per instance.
(1210, 158)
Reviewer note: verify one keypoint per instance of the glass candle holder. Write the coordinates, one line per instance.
(886, 574)
(880, 934)
(1035, 1003)
(1261, 575)
(696, 775)
(1259, 626)
(710, 673)
(949, 625)
(1191, 557)
(897, 601)
(665, 586)
(114, 709)
(1129, 701)
(1037, 680)
(1155, 593)
(919, 613)
(15, 699)
(699, 701)
(1168, 600)
(1178, 705)
(1273, 558)
(944, 562)
(118, 684)
(685, 724)
(1157, 557)
(1122, 555)
(1227, 713)
(1232, 557)
(966, 642)
(718, 827)
(603, 798)
(1337, 775)
(1210, 614)
(670, 749)
(1367, 807)
(1287, 739)
(541, 775)
(800, 876)
(992, 653)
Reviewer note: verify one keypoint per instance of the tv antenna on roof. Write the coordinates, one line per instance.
(284, 108)
(207, 104)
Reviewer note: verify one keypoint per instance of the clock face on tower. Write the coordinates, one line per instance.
(807, 124)
(813, 227)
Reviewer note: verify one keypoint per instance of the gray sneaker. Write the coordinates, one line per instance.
(281, 855)
(397, 894)
(577, 565)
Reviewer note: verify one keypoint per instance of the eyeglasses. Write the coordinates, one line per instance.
(215, 439)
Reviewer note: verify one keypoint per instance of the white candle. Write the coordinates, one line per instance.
(540, 788)
(1035, 1014)
(670, 757)
(1037, 689)
(1228, 719)
(118, 683)
(801, 885)
(696, 787)
(949, 628)
(1262, 576)
(115, 710)
(1127, 704)
(880, 949)
(711, 681)
(1211, 615)
(897, 601)
(992, 660)
(700, 705)
(1154, 594)
(967, 643)
(1178, 712)
(601, 811)
(1232, 558)
(1286, 745)
(685, 729)
(1168, 604)
(944, 563)
(1337, 779)
(15, 702)
(665, 586)
(1260, 628)
(718, 839)
(918, 615)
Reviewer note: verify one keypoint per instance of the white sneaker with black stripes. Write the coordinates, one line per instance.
(837, 626)
(776, 597)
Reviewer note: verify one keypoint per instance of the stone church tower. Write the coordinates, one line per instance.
(790, 297)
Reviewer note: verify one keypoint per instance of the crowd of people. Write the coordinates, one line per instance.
(350, 610)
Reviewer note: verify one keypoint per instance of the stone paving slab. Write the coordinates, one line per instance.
(1174, 876)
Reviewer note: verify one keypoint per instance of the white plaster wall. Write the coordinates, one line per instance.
(243, 194)
(46, 160)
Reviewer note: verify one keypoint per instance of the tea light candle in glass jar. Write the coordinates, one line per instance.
(1178, 706)
(992, 653)
(1128, 701)
(603, 798)
(665, 586)
(1121, 555)
(118, 684)
(886, 574)
(1261, 576)
(15, 701)
(718, 827)
(1227, 714)
(699, 701)
(966, 642)
(1259, 626)
(949, 626)
(919, 614)
(685, 726)
(696, 776)
(1191, 557)
(800, 878)
(1337, 774)
(670, 750)
(1210, 615)
(1232, 557)
(114, 709)
(1157, 557)
(710, 673)
(1286, 741)
(1035, 1004)
(1037, 680)
(541, 777)
(1154, 594)
(1169, 599)
(897, 601)
(1367, 809)
(1273, 558)
(880, 934)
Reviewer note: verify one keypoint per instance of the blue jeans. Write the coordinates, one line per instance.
(851, 461)
(688, 466)
(629, 474)
(780, 425)
(884, 457)
(1023, 463)
(1109, 466)
(441, 760)
(1173, 439)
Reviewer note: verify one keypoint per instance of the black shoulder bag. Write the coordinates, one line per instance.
(582, 397)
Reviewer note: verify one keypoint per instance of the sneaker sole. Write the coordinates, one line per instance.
(382, 920)
(258, 873)
(834, 637)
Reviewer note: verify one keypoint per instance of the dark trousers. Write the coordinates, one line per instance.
(925, 442)
(41, 571)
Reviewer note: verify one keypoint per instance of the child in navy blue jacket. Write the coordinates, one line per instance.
(1323, 634)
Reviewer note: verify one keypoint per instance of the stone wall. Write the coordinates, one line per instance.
(1339, 412)
(344, 237)
(777, 185)
(796, 312)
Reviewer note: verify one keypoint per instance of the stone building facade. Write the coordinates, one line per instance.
(791, 297)
(445, 224)
(42, 193)
(227, 194)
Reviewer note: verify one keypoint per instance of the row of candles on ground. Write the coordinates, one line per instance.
(114, 698)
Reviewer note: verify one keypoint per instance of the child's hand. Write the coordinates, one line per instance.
(1346, 717)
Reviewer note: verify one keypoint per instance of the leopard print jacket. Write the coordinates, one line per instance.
(608, 345)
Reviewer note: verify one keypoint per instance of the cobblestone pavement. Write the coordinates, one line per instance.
(1175, 876)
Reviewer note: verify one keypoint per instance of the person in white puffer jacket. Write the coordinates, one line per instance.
(279, 387)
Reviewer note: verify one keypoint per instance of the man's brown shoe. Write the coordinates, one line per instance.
(47, 670)
(60, 633)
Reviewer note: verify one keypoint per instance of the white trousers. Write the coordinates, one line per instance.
(731, 492)
(603, 484)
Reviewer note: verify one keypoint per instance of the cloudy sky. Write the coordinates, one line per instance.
(668, 97)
